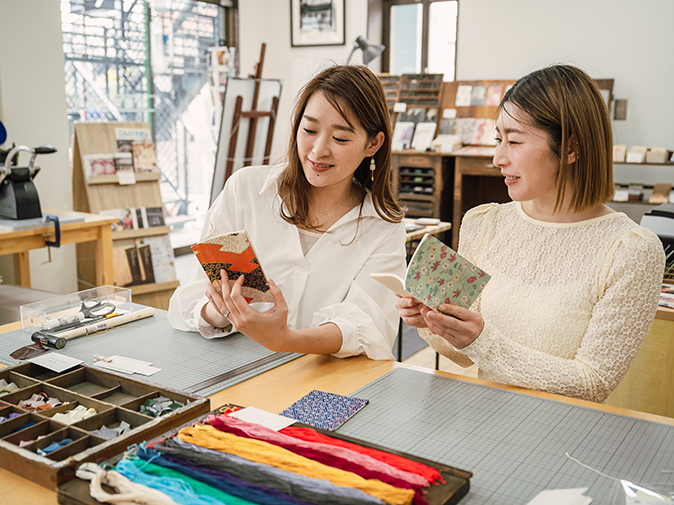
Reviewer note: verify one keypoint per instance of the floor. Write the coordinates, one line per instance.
(415, 350)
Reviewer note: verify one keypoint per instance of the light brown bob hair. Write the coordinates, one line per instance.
(357, 94)
(566, 103)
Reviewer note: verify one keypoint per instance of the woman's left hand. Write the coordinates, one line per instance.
(268, 328)
(459, 326)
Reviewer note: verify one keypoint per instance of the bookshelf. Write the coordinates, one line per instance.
(99, 193)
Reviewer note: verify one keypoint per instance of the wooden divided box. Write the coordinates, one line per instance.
(115, 398)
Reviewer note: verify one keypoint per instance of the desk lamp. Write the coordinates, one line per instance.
(370, 50)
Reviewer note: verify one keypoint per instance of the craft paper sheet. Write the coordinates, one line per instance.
(437, 274)
(234, 253)
(324, 410)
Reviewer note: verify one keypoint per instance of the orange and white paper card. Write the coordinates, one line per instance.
(234, 253)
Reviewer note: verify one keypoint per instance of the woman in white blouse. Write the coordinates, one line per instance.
(320, 223)
(574, 285)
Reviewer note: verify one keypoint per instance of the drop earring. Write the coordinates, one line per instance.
(372, 168)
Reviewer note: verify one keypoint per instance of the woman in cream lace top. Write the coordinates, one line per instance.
(574, 285)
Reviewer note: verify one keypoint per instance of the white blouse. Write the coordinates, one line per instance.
(331, 283)
(568, 305)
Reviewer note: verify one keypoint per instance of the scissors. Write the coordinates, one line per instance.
(93, 308)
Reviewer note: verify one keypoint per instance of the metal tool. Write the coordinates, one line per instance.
(18, 195)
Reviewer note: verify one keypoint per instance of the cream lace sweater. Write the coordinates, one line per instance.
(568, 305)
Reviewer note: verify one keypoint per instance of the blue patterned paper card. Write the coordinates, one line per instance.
(323, 410)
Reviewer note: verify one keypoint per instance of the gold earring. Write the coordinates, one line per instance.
(372, 168)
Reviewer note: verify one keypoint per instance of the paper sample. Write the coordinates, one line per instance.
(324, 410)
(262, 417)
(437, 275)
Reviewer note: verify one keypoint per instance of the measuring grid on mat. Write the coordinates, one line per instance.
(185, 358)
(513, 443)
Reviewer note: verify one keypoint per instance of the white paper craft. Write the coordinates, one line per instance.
(423, 136)
(464, 94)
(128, 365)
(267, 419)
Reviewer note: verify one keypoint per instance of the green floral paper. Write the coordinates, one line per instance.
(437, 274)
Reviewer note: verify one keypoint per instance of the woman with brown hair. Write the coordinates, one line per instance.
(320, 223)
(574, 285)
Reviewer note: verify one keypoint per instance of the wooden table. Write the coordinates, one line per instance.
(94, 228)
(276, 389)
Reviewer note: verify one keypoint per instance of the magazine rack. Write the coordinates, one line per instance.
(99, 193)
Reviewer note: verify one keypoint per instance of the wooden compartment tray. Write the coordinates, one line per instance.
(456, 486)
(116, 398)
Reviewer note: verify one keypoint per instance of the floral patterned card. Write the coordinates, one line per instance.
(437, 274)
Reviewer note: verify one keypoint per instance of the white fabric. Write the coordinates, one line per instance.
(308, 239)
(568, 305)
(128, 492)
(331, 284)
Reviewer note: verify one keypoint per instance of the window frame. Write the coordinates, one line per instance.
(425, 32)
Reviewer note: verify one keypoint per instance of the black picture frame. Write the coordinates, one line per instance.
(317, 23)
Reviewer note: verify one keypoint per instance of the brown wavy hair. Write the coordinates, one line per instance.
(566, 103)
(357, 94)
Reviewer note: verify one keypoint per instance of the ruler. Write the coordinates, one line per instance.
(236, 372)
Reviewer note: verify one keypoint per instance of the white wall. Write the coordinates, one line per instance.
(33, 109)
(269, 21)
(630, 41)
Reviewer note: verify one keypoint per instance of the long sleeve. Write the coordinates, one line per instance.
(331, 283)
(367, 317)
(566, 311)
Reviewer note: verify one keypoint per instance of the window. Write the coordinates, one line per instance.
(420, 36)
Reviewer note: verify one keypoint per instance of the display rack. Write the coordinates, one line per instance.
(104, 192)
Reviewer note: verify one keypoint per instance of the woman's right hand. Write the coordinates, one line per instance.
(410, 311)
(213, 311)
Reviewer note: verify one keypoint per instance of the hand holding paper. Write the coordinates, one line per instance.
(437, 275)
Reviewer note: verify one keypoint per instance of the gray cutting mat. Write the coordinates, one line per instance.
(513, 443)
(185, 358)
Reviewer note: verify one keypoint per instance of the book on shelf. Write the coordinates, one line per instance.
(234, 253)
(402, 135)
(143, 260)
(494, 94)
(98, 164)
(136, 218)
(479, 95)
(661, 192)
(144, 157)
(423, 136)
(123, 162)
(464, 95)
(125, 137)
(155, 216)
(163, 258)
(437, 275)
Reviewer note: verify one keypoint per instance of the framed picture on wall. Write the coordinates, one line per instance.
(317, 23)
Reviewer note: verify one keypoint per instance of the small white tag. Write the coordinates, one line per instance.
(562, 497)
(448, 113)
(264, 418)
(126, 177)
(55, 361)
(128, 365)
(399, 107)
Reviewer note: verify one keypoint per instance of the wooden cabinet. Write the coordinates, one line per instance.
(419, 182)
(476, 181)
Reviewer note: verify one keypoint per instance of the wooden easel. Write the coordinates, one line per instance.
(253, 114)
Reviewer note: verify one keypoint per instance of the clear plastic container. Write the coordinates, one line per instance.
(65, 309)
